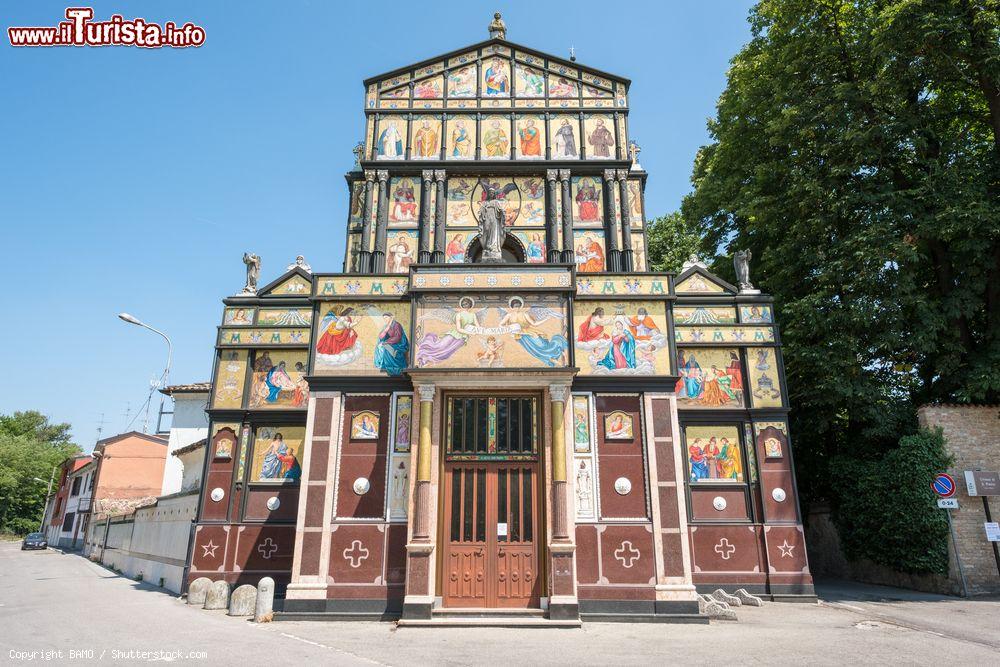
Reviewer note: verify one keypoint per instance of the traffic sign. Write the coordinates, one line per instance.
(943, 485)
(948, 503)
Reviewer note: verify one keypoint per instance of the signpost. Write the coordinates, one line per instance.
(986, 483)
(944, 486)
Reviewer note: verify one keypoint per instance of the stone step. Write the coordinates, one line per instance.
(646, 618)
(496, 621)
(477, 612)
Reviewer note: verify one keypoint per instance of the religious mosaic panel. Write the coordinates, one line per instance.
(277, 453)
(278, 379)
(430, 88)
(399, 487)
(713, 454)
(534, 246)
(581, 424)
(496, 77)
(455, 249)
(639, 252)
(756, 314)
(636, 213)
(588, 249)
(285, 317)
(402, 423)
(224, 440)
(365, 425)
(462, 81)
(565, 133)
(599, 130)
(494, 132)
(532, 211)
(391, 141)
(704, 315)
(459, 206)
(230, 376)
(530, 129)
(621, 338)
(294, 286)
(491, 331)
(588, 202)
(698, 284)
(238, 317)
(400, 250)
(425, 138)
(353, 249)
(585, 488)
(528, 81)
(351, 286)
(357, 201)
(358, 338)
(461, 137)
(563, 87)
(709, 378)
(765, 388)
(771, 439)
(589, 286)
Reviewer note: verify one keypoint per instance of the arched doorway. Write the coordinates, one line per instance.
(513, 251)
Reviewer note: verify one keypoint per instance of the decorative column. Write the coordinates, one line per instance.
(439, 212)
(563, 602)
(551, 217)
(424, 255)
(628, 258)
(419, 599)
(381, 223)
(567, 218)
(365, 255)
(610, 228)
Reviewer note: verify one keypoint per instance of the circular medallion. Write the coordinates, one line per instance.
(719, 503)
(779, 495)
(622, 486)
(273, 503)
(361, 486)
(218, 494)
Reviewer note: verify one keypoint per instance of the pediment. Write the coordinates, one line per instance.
(294, 282)
(697, 280)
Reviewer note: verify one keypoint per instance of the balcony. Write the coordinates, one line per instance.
(84, 504)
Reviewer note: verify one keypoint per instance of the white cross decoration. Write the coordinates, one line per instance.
(267, 548)
(786, 549)
(725, 549)
(356, 553)
(627, 554)
(209, 549)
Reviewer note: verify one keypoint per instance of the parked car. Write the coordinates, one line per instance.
(34, 541)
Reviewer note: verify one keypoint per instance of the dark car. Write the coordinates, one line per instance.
(34, 541)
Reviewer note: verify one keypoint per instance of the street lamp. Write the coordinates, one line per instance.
(48, 494)
(131, 319)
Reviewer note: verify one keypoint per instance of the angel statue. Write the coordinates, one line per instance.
(492, 230)
(741, 262)
(433, 349)
(253, 272)
(526, 324)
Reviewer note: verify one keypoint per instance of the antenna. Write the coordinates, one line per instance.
(100, 426)
(572, 54)
(128, 413)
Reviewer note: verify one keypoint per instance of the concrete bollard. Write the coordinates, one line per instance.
(218, 595)
(747, 599)
(264, 609)
(197, 591)
(723, 596)
(242, 601)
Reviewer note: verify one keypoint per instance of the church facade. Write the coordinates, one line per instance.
(496, 405)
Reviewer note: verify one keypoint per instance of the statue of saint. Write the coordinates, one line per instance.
(492, 230)
(741, 262)
(299, 263)
(253, 272)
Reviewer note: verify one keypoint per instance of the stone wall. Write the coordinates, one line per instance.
(972, 434)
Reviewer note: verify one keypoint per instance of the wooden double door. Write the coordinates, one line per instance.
(491, 508)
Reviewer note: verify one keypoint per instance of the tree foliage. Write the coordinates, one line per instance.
(30, 447)
(670, 241)
(856, 152)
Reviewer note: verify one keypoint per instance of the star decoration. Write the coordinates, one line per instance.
(786, 549)
(209, 549)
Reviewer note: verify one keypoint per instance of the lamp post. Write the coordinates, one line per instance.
(125, 317)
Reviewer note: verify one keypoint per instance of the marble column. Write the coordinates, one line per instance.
(563, 602)
(381, 223)
(567, 217)
(611, 251)
(419, 599)
(557, 395)
(365, 255)
(426, 182)
(421, 506)
(628, 256)
(551, 217)
(440, 204)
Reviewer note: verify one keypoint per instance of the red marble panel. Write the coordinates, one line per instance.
(256, 505)
(673, 554)
(312, 545)
(356, 553)
(324, 417)
(786, 549)
(621, 458)
(395, 554)
(616, 592)
(562, 574)
(587, 567)
(319, 459)
(702, 500)
(735, 549)
(363, 458)
(315, 504)
(210, 509)
(209, 553)
(417, 572)
(662, 424)
(264, 547)
(627, 555)
(773, 510)
(669, 511)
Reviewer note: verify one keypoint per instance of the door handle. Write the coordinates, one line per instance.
(501, 552)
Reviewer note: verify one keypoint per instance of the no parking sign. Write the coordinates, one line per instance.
(944, 485)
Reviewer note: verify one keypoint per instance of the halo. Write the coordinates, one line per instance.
(515, 299)
(464, 299)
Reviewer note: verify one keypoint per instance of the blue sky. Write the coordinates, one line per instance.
(133, 180)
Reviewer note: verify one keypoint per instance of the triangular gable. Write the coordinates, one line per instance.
(294, 282)
(697, 280)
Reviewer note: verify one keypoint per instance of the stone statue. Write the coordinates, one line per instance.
(492, 230)
(253, 272)
(741, 262)
(693, 261)
(300, 263)
(498, 29)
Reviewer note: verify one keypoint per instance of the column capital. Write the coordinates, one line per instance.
(558, 392)
(551, 174)
(623, 174)
(564, 174)
(609, 174)
(427, 175)
(426, 392)
(439, 174)
(383, 175)
(369, 175)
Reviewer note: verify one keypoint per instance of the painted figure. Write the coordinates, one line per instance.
(529, 335)
(617, 428)
(642, 325)
(712, 457)
(531, 146)
(536, 249)
(491, 356)
(588, 201)
(338, 344)
(562, 87)
(581, 430)
(601, 139)
(427, 89)
(622, 352)
(565, 141)
(461, 141)
(697, 460)
(589, 256)
(495, 141)
(425, 141)
(279, 461)
(390, 142)
(277, 380)
(690, 383)
(495, 78)
(404, 202)
(390, 353)
(366, 427)
(400, 256)
(532, 81)
(584, 492)
(735, 372)
(592, 328)
(432, 349)
(729, 461)
(455, 250)
(461, 82)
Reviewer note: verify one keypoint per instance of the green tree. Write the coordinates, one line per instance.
(30, 447)
(671, 240)
(856, 152)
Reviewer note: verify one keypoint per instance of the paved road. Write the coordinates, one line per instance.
(54, 602)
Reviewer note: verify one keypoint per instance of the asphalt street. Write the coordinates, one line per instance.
(60, 608)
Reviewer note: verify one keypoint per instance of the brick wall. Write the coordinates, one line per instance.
(973, 439)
